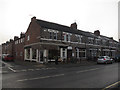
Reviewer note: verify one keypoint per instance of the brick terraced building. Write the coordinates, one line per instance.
(44, 41)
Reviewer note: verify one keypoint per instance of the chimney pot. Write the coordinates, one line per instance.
(97, 33)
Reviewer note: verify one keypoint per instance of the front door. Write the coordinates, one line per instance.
(69, 53)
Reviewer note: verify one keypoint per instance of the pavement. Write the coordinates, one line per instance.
(52, 64)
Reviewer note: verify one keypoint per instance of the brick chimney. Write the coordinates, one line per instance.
(33, 19)
(11, 40)
(16, 37)
(22, 34)
(74, 25)
(97, 33)
(7, 42)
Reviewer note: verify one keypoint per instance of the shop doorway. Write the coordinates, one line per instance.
(41, 56)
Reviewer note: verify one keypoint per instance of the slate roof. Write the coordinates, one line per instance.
(63, 28)
(59, 27)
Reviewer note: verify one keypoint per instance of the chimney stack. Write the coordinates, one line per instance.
(7, 42)
(111, 38)
(11, 40)
(74, 25)
(33, 19)
(15, 37)
(97, 33)
(22, 34)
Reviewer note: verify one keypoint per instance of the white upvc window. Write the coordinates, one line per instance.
(23, 39)
(90, 40)
(55, 35)
(28, 37)
(65, 37)
(69, 37)
(51, 34)
(80, 38)
(19, 40)
(21, 53)
(104, 42)
(15, 42)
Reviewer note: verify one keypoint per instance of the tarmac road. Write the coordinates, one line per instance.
(86, 76)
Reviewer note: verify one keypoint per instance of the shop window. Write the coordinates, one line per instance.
(34, 53)
(28, 53)
(52, 53)
(80, 53)
(63, 52)
(77, 53)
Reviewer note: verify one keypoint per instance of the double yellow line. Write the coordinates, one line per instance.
(111, 85)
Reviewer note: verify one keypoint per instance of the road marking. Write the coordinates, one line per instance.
(87, 70)
(24, 70)
(31, 69)
(111, 85)
(11, 69)
(40, 77)
(37, 69)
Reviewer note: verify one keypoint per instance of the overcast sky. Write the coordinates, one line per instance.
(89, 15)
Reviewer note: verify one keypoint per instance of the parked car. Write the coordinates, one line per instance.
(104, 59)
(8, 58)
(4, 55)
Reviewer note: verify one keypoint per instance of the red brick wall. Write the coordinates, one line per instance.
(3, 49)
(8, 48)
(19, 49)
(34, 32)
